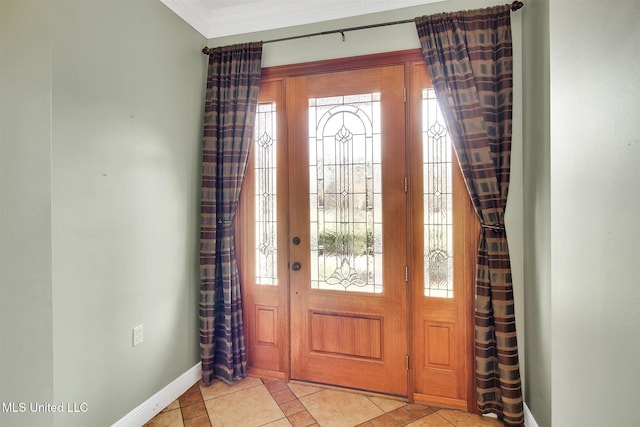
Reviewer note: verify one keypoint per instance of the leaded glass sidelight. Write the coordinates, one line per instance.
(438, 200)
(345, 193)
(264, 150)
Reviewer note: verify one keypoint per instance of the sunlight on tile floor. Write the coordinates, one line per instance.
(255, 402)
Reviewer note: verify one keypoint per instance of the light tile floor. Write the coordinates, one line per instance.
(255, 402)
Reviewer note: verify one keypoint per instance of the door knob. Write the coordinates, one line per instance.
(296, 266)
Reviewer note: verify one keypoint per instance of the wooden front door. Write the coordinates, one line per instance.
(347, 229)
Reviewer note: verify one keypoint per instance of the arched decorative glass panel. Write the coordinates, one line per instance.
(438, 200)
(345, 193)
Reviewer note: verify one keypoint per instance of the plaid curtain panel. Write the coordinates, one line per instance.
(230, 106)
(469, 58)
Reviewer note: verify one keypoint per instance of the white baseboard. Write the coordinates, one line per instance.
(156, 403)
(529, 421)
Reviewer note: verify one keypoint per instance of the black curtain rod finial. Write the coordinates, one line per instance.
(516, 5)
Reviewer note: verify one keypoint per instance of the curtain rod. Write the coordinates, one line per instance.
(514, 6)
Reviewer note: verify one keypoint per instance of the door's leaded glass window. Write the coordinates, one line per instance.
(345, 193)
(265, 193)
(438, 200)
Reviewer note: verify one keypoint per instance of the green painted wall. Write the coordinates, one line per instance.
(102, 109)
(595, 153)
(26, 312)
(537, 190)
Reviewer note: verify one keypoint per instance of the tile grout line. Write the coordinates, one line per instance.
(285, 387)
(447, 420)
(200, 401)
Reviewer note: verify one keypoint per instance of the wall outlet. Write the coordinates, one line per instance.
(138, 335)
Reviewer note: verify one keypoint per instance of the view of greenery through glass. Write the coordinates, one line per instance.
(345, 193)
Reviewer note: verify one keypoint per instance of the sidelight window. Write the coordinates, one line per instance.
(266, 235)
(438, 200)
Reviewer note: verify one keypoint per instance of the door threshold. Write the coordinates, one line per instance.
(367, 393)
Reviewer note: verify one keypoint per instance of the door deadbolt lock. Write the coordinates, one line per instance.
(296, 240)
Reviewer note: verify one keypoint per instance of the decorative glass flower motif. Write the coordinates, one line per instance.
(343, 135)
(265, 140)
(345, 276)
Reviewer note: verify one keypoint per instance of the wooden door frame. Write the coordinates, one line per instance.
(406, 58)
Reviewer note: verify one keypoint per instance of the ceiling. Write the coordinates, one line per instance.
(219, 18)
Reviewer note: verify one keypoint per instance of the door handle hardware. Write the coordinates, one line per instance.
(296, 266)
